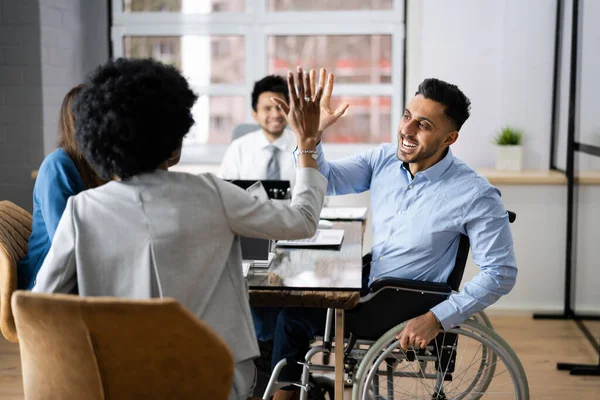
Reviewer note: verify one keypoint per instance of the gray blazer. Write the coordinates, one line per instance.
(174, 234)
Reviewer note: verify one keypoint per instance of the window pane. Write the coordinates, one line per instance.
(316, 5)
(184, 6)
(215, 117)
(353, 59)
(368, 120)
(202, 59)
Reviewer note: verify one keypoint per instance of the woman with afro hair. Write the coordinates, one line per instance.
(154, 233)
(63, 174)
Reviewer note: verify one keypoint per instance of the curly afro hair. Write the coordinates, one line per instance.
(131, 116)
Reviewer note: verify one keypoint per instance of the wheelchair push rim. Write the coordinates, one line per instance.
(431, 377)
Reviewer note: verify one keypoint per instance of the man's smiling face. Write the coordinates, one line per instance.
(424, 133)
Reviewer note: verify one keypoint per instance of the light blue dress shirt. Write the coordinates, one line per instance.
(417, 223)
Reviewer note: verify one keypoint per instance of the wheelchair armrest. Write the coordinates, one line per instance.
(511, 216)
(409, 284)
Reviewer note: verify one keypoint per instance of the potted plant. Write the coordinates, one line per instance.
(509, 149)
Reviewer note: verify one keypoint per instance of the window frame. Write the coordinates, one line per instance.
(256, 24)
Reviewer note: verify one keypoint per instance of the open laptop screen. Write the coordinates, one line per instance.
(275, 189)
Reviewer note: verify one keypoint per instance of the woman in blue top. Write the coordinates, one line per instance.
(63, 174)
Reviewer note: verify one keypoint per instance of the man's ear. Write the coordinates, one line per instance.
(255, 115)
(451, 138)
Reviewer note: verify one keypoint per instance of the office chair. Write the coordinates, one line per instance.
(243, 129)
(15, 229)
(98, 348)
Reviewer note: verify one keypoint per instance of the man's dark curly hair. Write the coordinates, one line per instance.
(457, 104)
(131, 115)
(270, 83)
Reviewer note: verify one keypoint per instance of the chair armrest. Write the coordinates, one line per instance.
(409, 284)
(511, 216)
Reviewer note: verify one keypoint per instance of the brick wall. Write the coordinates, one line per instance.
(21, 108)
(46, 47)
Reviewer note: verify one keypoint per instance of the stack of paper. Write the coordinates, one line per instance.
(344, 213)
(323, 237)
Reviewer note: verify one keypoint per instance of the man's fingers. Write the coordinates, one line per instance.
(292, 90)
(342, 109)
(281, 104)
(313, 82)
(322, 78)
(329, 87)
(404, 340)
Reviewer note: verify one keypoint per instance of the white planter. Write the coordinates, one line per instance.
(509, 158)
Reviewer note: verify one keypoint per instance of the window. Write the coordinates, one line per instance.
(355, 59)
(183, 6)
(224, 46)
(318, 5)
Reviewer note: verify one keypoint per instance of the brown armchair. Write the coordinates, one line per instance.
(15, 228)
(107, 348)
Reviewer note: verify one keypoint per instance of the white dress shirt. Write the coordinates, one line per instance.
(170, 234)
(248, 156)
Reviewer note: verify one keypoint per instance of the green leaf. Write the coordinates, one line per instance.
(508, 137)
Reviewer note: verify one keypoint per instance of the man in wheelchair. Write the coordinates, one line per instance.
(423, 200)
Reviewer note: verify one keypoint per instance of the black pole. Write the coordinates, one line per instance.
(556, 82)
(567, 309)
(110, 46)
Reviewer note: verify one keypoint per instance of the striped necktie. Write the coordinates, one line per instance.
(273, 172)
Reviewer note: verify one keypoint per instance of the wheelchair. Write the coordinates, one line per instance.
(469, 361)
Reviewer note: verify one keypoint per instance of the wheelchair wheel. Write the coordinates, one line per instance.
(488, 359)
(482, 319)
(456, 365)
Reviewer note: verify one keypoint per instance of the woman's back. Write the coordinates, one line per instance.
(173, 235)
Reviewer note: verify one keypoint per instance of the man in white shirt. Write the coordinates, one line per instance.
(267, 152)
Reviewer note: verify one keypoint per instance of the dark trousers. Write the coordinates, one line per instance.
(293, 328)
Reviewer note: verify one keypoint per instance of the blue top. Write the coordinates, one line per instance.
(57, 180)
(417, 223)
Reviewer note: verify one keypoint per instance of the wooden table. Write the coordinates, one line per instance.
(324, 278)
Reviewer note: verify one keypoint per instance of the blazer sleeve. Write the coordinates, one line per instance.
(58, 272)
(249, 216)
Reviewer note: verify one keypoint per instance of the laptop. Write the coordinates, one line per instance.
(276, 190)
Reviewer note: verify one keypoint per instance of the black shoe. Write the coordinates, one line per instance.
(263, 363)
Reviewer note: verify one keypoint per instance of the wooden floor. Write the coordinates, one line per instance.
(539, 344)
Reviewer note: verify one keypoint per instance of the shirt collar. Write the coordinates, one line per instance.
(434, 172)
(282, 142)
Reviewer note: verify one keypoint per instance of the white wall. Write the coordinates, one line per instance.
(500, 53)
